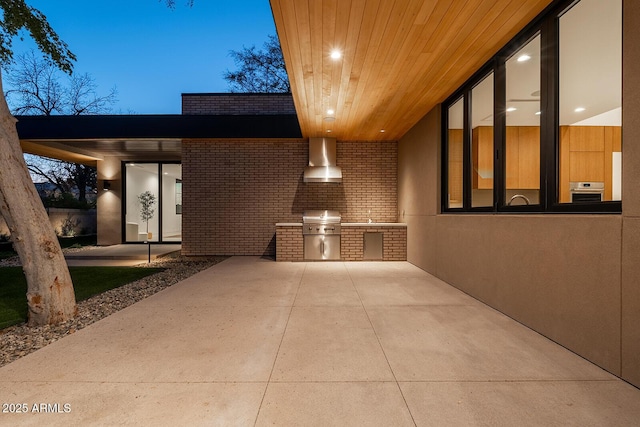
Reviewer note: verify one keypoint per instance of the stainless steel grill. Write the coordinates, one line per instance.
(321, 231)
(321, 222)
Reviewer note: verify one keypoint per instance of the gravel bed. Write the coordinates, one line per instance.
(20, 340)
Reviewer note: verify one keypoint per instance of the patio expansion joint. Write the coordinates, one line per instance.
(512, 381)
(386, 358)
(284, 331)
(128, 382)
(425, 381)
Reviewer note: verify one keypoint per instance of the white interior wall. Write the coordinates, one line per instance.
(141, 178)
(171, 222)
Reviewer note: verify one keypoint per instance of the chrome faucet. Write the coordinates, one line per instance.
(519, 196)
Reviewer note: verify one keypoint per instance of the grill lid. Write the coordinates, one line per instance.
(321, 217)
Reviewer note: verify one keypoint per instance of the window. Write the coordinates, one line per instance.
(456, 156)
(538, 128)
(522, 133)
(482, 148)
(590, 101)
(152, 204)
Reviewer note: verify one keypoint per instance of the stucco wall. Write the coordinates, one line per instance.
(573, 278)
(630, 195)
(83, 221)
(558, 274)
(109, 203)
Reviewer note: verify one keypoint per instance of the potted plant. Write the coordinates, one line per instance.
(147, 202)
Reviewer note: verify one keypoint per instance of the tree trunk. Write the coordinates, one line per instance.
(50, 295)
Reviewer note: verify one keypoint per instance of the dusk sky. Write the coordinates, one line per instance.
(152, 53)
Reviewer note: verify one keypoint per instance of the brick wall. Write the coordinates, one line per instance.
(289, 244)
(235, 191)
(237, 103)
(394, 242)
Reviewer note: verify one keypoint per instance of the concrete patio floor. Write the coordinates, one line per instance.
(255, 342)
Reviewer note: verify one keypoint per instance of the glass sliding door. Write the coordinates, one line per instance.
(141, 218)
(153, 202)
(171, 202)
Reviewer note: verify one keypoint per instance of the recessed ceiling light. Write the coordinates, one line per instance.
(381, 130)
(330, 112)
(538, 113)
(329, 119)
(579, 109)
(328, 130)
(336, 54)
(523, 58)
(510, 109)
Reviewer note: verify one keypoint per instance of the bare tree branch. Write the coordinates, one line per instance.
(82, 97)
(36, 89)
(260, 71)
(172, 3)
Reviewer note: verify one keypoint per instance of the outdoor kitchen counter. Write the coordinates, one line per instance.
(374, 224)
(290, 243)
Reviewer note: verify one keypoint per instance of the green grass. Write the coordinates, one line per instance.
(87, 281)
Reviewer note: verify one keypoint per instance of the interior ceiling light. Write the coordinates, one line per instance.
(524, 58)
(510, 109)
(328, 130)
(329, 119)
(330, 112)
(579, 109)
(538, 113)
(336, 54)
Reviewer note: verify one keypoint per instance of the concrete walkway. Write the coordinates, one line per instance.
(120, 255)
(254, 342)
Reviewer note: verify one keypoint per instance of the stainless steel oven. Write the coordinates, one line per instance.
(321, 232)
(582, 192)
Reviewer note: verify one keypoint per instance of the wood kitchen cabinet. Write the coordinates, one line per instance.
(523, 157)
(586, 154)
(455, 147)
(482, 149)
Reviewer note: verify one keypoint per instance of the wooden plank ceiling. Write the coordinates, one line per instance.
(400, 58)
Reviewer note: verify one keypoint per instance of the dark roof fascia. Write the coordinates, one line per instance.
(160, 126)
(238, 94)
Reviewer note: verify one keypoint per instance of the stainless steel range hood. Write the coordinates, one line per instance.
(322, 161)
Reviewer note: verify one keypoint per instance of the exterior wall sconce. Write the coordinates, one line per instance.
(106, 185)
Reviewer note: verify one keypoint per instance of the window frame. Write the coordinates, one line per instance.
(547, 26)
(160, 200)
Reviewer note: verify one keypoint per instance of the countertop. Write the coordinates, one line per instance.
(350, 224)
(374, 224)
